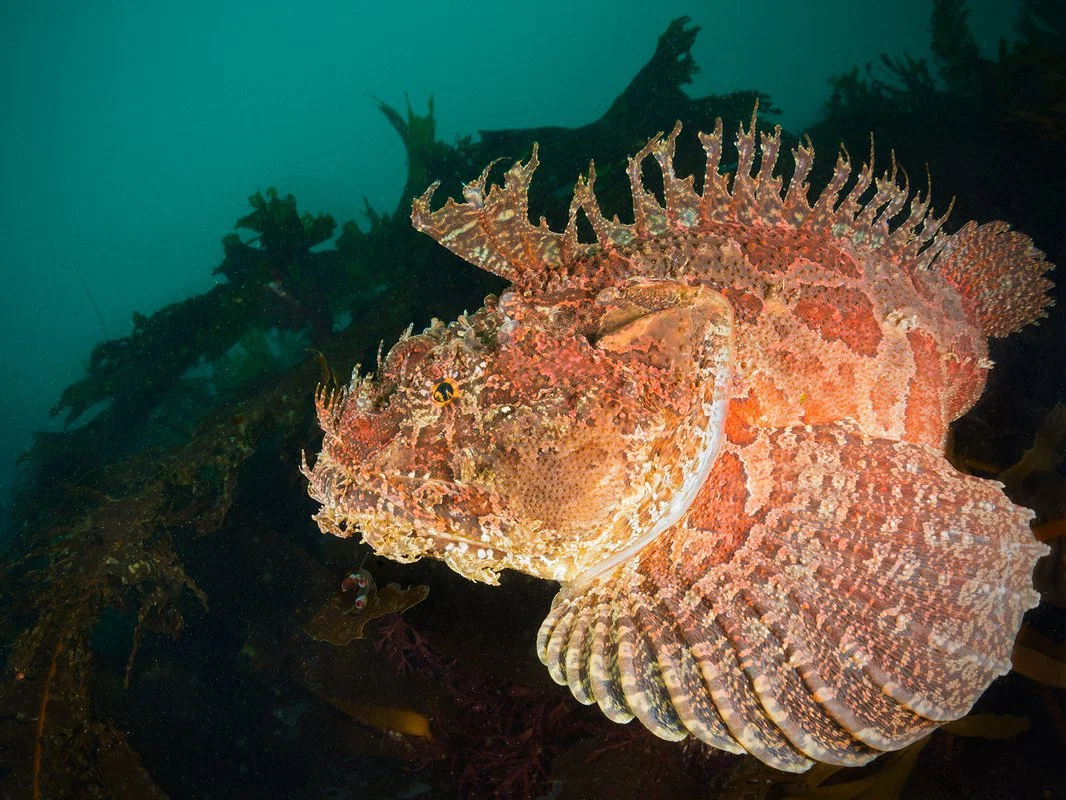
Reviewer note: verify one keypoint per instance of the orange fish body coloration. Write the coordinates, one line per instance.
(721, 429)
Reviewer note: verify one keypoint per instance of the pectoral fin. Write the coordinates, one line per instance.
(832, 599)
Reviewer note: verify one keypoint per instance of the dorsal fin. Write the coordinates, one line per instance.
(492, 230)
(998, 273)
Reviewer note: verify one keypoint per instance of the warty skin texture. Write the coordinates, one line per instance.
(721, 429)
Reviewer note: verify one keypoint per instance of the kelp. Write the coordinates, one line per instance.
(653, 101)
(281, 259)
(259, 355)
(1039, 658)
(1036, 67)
(339, 622)
(129, 378)
(904, 85)
(958, 58)
(114, 550)
(109, 514)
(133, 372)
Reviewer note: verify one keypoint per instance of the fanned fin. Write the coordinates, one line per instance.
(492, 230)
(771, 626)
(642, 680)
(603, 674)
(998, 273)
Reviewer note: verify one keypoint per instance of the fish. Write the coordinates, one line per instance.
(721, 428)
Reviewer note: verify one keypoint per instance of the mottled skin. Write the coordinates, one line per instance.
(721, 429)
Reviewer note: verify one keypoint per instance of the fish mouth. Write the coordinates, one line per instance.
(406, 517)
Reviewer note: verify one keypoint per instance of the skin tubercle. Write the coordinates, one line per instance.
(721, 428)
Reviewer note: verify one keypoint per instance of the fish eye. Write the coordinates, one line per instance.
(444, 391)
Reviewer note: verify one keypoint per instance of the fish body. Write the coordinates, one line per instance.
(721, 429)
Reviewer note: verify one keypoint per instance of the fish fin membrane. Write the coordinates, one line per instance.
(998, 272)
(1000, 275)
(832, 599)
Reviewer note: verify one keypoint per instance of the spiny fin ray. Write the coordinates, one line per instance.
(801, 642)
(998, 273)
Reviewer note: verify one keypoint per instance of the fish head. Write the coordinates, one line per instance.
(542, 435)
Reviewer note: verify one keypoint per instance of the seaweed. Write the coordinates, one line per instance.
(906, 87)
(1034, 71)
(887, 778)
(118, 541)
(114, 549)
(653, 101)
(340, 622)
(958, 58)
(183, 488)
(274, 282)
(282, 259)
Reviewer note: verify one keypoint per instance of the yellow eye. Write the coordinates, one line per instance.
(444, 391)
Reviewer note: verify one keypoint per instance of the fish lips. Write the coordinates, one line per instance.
(407, 517)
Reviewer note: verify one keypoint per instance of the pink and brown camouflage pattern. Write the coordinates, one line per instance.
(721, 429)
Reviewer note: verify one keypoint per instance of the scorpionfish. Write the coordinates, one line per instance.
(721, 429)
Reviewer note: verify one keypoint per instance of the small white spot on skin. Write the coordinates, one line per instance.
(458, 231)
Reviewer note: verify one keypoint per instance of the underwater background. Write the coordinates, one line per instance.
(206, 211)
(133, 132)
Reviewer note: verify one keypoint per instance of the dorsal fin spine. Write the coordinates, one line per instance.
(822, 211)
(768, 185)
(492, 230)
(715, 200)
(649, 218)
(796, 207)
(743, 195)
(682, 202)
